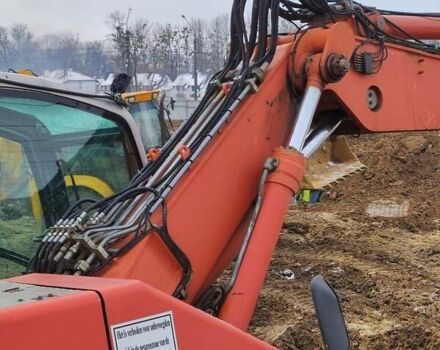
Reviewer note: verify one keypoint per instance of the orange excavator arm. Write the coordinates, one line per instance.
(222, 185)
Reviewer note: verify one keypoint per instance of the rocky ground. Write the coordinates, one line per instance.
(376, 238)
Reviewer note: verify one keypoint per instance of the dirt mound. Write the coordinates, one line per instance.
(376, 238)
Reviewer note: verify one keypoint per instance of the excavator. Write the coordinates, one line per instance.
(176, 259)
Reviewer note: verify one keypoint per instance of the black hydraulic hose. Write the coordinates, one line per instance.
(45, 259)
(264, 56)
(232, 61)
(76, 205)
(105, 210)
(14, 257)
(411, 14)
(253, 29)
(240, 26)
(130, 194)
(233, 93)
(39, 257)
(313, 6)
(33, 263)
(50, 262)
(262, 33)
(146, 172)
(270, 53)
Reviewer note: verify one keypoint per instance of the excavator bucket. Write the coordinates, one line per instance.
(332, 163)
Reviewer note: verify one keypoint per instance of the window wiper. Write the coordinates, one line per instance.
(63, 164)
(14, 257)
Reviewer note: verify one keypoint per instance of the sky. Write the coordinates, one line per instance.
(87, 17)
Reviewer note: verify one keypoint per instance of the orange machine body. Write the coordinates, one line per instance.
(86, 319)
(408, 88)
(209, 205)
(417, 27)
(281, 186)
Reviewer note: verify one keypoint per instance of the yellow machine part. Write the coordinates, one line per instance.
(12, 159)
(141, 96)
(28, 72)
(334, 162)
(89, 182)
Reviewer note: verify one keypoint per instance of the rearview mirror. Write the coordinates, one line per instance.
(120, 83)
(172, 103)
(329, 314)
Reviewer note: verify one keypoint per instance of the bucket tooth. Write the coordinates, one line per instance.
(332, 164)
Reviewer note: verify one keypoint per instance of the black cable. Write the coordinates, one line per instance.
(395, 26)
(405, 13)
(76, 205)
(14, 257)
(253, 29)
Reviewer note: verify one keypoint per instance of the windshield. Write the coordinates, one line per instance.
(146, 117)
(51, 156)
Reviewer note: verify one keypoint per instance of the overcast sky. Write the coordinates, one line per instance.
(87, 17)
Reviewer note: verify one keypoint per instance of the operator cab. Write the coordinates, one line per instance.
(148, 111)
(57, 147)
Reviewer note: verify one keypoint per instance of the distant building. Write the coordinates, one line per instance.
(74, 80)
(183, 86)
(152, 81)
(145, 81)
(104, 86)
(181, 90)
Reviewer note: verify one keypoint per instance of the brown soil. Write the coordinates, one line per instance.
(386, 270)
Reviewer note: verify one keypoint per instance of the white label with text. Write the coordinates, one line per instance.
(152, 332)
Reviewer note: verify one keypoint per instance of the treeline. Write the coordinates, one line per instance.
(132, 46)
(20, 48)
(168, 48)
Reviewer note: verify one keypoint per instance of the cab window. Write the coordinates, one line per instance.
(52, 154)
(146, 117)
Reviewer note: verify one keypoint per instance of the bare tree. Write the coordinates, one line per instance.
(22, 45)
(139, 44)
(133, 46)
(5, 45)
(218, 40)
(129, 41)
(61, 51)
(96, 62)
(287, 26)
(169, 50)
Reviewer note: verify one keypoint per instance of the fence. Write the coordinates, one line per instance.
(183, 109)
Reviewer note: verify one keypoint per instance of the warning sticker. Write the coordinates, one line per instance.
(152, 332)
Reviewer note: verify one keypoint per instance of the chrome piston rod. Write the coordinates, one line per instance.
(319, 135)
(305, 140)
(304, 118)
